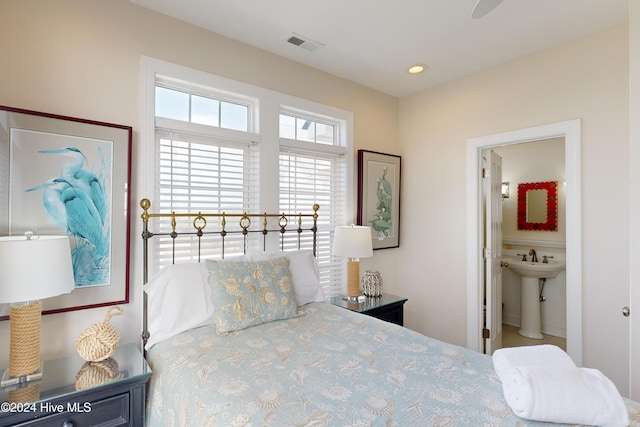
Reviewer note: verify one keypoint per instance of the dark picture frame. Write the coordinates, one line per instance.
(379, 197)
(66, 175)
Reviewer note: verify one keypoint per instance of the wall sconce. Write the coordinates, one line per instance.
(505, 190)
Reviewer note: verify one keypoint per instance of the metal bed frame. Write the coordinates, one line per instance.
(198, 229)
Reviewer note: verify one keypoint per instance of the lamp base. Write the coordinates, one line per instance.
(353, 278)
(8, 380)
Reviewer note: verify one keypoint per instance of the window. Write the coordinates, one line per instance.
(210, 154)
(314, 172)
(206, 160)
(306, 129)
(188, 107)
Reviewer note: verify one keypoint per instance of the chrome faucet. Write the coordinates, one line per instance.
(534, 256)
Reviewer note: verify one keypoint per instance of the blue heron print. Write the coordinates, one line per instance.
(76, 202)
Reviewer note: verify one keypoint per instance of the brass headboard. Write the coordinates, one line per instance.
(198, 229)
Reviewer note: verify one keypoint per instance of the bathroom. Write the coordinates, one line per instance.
(533, 162)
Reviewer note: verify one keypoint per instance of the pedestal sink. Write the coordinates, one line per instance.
(530, 274)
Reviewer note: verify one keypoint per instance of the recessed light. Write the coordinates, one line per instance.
(417, 69)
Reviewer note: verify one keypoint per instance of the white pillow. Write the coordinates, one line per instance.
(304, 273)
(176, 301)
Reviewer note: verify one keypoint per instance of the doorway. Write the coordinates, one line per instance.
(535, 163)
(570, 131)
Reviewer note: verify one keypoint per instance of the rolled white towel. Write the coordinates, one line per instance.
(564, 395)
(505, 359)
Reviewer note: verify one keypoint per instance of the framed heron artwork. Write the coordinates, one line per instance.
(69, 176)
(379, 197)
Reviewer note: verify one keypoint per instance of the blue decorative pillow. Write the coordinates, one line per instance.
(248, 293)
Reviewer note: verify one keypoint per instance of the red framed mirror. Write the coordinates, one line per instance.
(538, 206)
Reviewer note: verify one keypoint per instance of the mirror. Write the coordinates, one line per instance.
(538, 206)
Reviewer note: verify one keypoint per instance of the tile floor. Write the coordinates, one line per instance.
(510, 338)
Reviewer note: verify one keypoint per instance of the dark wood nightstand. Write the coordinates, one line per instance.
(110, 393)
(386, 307)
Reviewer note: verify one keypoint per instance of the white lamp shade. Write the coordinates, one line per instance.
(352, 241)
(35, 268)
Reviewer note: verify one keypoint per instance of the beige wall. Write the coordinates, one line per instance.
(586, 79)
(82, 59)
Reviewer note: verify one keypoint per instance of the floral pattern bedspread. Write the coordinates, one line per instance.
(328, 367)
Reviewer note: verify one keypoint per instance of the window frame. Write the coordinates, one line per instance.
(264, 125)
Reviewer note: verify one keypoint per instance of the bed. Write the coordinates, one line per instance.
(315, 365)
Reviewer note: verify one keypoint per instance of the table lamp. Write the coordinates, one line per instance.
(31, 268)
(353, 242)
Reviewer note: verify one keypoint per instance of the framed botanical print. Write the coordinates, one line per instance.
(379, 197)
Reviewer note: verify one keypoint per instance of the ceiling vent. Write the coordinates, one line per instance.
(304, 42)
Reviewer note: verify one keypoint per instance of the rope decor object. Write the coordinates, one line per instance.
(93, 374)
(100, 340)
(353, 281)
(24, 353)
(26, 394)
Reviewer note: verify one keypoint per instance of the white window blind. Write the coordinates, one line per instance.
(198, 173)
(309, 176)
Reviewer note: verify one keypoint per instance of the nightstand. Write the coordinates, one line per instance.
(72, 393)
(386, 307)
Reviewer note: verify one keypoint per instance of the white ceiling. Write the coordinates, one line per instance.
(373, 42)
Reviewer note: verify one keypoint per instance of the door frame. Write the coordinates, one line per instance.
(570, 131)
